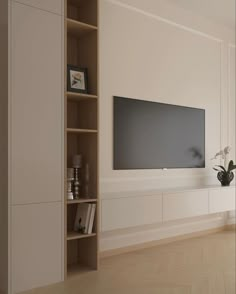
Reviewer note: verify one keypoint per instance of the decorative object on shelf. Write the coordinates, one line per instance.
(77, 79)
(223, 154)
(70, 179)
(77, 161)
(91, 218)
(77, 164)
(81, 229)
(86, 181)
(225, 176)
(82, 218)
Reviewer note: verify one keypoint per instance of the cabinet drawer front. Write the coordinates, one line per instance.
(184, 204)
(222, 199)
(124, 212)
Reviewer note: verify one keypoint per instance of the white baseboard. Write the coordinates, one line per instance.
(132, 237)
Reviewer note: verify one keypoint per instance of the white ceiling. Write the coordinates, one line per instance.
(220, 11)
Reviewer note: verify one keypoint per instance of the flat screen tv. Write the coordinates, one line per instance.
(151, 135)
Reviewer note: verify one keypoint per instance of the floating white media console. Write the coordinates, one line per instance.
(131, 209)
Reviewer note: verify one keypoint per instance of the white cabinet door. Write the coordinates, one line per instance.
(36, 245)
(55, 6)
(36, 105)
(118, 213)
(222, 199)
(184, 204)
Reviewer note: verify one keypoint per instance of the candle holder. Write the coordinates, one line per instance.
(70, 179)
(77, 164)
(86, 181)
(76, 183)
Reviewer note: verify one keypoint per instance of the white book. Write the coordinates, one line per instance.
(91, 220)
(88, 218)
(82, 217)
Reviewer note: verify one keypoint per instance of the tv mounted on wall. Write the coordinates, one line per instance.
(152, 135)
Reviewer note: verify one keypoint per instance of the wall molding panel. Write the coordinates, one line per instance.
(231, 97)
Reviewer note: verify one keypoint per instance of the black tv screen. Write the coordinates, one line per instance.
(151, 135)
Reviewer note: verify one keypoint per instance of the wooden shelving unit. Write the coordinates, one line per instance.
(79, 29)
(91, 200)
(81, 130)
(76, 236)
(77, 97)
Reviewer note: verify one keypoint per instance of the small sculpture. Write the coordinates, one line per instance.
(81, 229)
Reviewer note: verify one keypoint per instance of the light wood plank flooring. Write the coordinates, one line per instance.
(204, 265)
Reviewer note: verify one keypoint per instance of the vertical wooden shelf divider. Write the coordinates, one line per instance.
(81, 130)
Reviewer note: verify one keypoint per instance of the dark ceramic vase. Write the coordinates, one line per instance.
(225, 178)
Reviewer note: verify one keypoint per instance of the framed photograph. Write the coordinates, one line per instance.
(77, 79)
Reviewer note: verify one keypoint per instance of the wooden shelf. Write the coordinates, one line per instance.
(79, 96)
(76, 269)
(76, 2)
(79, 29)
(69, 202)
(80, 131)
(77, 236)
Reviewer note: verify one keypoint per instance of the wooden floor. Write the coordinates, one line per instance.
(197, 266)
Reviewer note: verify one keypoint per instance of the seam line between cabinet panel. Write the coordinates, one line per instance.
(35, 203)
(38, 8)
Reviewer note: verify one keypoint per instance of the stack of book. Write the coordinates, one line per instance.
(84, 219)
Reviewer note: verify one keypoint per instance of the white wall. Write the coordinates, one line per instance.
(231, 111)
(231, 95)
(154, 51)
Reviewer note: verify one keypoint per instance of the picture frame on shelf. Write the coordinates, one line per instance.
(77, 79)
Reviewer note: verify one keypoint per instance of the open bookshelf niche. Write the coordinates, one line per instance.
(82, 255)
(82, 115)
(81, 215)
(81, 139)
(82, 52)
(81, 248)
(83, 11)
(84, 144)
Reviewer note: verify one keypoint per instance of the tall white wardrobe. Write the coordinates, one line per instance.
(31, 135)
